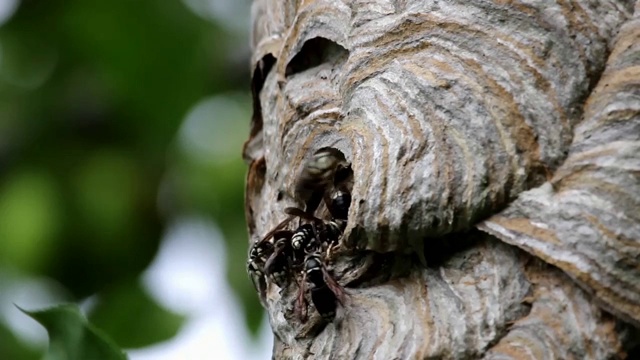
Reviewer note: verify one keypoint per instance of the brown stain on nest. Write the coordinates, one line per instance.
(574, 27)
(549, 316)
(628, 39)
(523, 226)
(611, 234)
(388, 113)
(527, 147)
(598, 287)
(511, 348)
(424, 312)
(578, 166)
(423, 26)
(254, 183)
(384, 173)
(577, 176)
(418, 138)
(595, 186)
(398, 98)
(489, 92)
(443, 164)
(610, 86)
(508, 117)
(560, 322)
(515, 4)
(616, 116)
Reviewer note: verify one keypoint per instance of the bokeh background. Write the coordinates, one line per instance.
(121, 178)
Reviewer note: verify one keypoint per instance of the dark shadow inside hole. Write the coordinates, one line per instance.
(381, 269)
(257, 82)
(315, 52)
(633, 351)
(437, 251)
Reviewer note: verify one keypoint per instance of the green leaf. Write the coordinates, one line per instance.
(12, 348)
(132, 317)
(71, 337)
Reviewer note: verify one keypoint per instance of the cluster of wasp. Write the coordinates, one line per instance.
(302, 254)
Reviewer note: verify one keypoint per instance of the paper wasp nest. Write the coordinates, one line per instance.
(451, 113)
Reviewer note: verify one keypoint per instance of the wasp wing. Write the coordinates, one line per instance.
(333, 285)
(276, 229)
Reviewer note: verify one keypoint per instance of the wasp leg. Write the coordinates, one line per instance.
(301, 301)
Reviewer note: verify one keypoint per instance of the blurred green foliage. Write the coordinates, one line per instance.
(71, 337)
(12, 348)
(115, 118)
(118, 313)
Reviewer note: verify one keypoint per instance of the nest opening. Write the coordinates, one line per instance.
(260, 72)
(315, 52)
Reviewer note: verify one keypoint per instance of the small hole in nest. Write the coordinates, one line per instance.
(315, 52)
(280, 195)
(260, 72)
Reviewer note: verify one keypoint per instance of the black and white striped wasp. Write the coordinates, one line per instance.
(258, 256)
(314, 238)
(273, 260)
(324, 291)
(266, 256)
(317, 181)
(277, 265)
(289, 247)
(317, 233)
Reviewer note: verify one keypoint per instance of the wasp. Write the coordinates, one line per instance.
(258, 255)
(289, 247)
(339, 203)
(328, 232)
(317, 175)
(277, 265)
(316, 182)
(304, 240)
(265, 256)
(272, 259)
(324, 291)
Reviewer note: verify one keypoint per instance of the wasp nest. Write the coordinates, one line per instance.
(454, 116)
